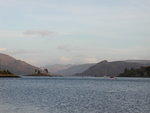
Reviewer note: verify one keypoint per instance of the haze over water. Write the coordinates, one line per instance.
(74, 95)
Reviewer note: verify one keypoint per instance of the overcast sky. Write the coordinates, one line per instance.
(75, 31)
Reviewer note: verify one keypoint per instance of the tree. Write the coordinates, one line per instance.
(8, 72)
(46, 70)
(140, 72)
(35, 70)
(39, 72)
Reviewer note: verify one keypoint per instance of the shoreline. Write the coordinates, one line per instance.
(9, 76)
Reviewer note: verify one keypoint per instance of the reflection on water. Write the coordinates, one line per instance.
(74, 95)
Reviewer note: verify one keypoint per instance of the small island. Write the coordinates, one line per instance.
(7, 73)
(41, 72)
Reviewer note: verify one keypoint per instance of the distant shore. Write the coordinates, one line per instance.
(40, 74)
(9, 75)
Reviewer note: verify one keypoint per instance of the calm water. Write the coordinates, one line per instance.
(74, 95)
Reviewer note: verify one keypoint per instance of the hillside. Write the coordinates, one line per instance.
(74, 69)
(57, 67)
(140, 72)
(105, 68)
(15, 66)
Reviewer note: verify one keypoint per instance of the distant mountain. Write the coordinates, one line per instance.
(15, 66)
(106, 68)
(57, 67)
(74, 69)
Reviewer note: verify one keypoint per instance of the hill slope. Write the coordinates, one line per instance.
(15, 66)
(105, 68)
(57, 67)
(140, 72)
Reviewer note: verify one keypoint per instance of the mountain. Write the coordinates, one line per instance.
(74, 69)
(15, 66)
(57, 67)
(106, 68)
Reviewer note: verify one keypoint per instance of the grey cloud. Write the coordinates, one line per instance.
(41, 33)
(64, 48)
(69, 48)
(22, 52)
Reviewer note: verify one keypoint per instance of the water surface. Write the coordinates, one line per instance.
(74, 95)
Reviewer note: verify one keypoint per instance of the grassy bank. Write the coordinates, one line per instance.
(7, 73)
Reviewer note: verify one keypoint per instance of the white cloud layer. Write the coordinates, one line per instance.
(3, 49)
(40, 33)
(64, 59)
(30, 33)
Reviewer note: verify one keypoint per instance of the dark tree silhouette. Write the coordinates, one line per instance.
(39, 72)
(140, 72)
(46, 70)
(35, 70)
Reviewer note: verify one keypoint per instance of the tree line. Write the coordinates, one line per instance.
(5, 72)
(139, 72)
(37, 71)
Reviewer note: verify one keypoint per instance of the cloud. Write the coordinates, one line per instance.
(64, 59)
(91, 60)
(64, 48)
(69, 48)
(23, 51)
(20, 51)
(31, 33)
(3, 49)
(10, 34)
(40, 33)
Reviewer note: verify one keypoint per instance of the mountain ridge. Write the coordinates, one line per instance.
(105, 68)
(75, 69)
(15, 66)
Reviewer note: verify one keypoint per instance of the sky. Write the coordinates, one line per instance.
(44, 32)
